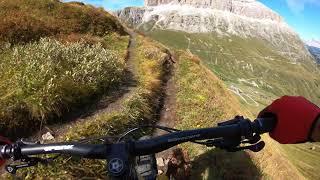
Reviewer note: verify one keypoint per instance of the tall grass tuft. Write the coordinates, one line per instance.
(43, 79)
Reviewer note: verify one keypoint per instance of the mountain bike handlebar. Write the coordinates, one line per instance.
(244, 129)
(141, 147)
(90, 151)
(228, 135)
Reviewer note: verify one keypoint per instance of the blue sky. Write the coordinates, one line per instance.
(302, 15)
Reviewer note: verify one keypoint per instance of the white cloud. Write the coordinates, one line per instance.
(297, 6)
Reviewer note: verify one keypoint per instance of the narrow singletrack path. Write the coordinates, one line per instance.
(167, 112)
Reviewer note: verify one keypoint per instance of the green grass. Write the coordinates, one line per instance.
(198, 87)
(232, 58)
(213, 101)
(304, 158)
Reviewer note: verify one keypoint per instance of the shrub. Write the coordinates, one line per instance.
(29, 20)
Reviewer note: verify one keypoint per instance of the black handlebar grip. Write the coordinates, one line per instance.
(3, 152)
(265, 124)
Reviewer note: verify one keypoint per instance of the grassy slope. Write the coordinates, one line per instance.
(42, 80)
(305, 158)
(28, 20)
(139, 108)
(232, 59)
(199, 87)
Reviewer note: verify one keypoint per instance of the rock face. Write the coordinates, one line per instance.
(244, 18)
(131, 15)
(249, 8)
(156, 2)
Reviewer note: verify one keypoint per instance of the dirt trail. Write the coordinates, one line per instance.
(167, 112)
(110, 103)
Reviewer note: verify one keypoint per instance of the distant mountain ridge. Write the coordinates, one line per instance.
(244, 18)
(314, 48)
(313, 43)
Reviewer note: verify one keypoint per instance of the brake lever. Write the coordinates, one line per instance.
(256, 138)
(234, 145)
(247, 137)
(254, 148)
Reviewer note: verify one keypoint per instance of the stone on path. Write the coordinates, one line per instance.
(47, 136)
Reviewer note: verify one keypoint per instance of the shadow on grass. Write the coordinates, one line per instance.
(218, 164)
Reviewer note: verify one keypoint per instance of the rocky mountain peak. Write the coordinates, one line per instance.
(199, 2)
(249, 8)
(244, 18)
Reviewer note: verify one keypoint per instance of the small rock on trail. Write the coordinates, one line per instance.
(47, 137)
